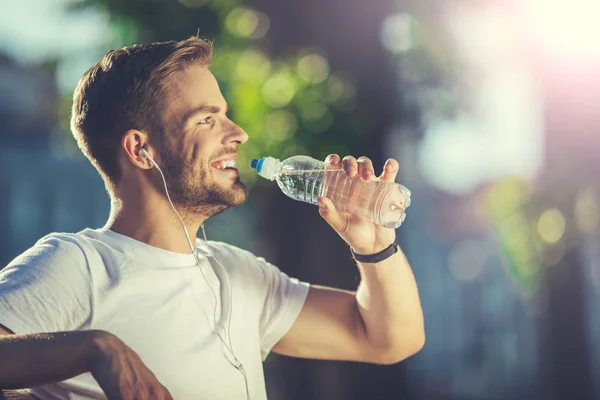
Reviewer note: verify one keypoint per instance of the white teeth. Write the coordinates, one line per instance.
(226, 164)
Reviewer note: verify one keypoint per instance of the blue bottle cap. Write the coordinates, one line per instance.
(258, 164)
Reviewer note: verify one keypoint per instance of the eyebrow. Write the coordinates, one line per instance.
(202, 109)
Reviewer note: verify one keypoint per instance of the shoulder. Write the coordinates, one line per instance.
(54, 251)
(57, 244)
(69, 242)
(66, 245)
(48, 288)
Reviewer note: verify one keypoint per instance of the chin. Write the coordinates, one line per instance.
(240, 195)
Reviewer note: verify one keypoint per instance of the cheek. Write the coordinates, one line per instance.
(197, 157)
(198, 151)
(198, 162)
(195, 152)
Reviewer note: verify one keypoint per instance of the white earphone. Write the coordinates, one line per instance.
(145, 154)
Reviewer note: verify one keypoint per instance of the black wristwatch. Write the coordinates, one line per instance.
(377, 257)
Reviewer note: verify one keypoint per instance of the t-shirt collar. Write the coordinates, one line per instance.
(150, 254)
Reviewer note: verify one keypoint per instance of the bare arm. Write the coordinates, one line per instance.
(380, 323)
(32, 360)
(389, 305)
(38, 359)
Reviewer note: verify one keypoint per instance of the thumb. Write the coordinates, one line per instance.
(327, 210)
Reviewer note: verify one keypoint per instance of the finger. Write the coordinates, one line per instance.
(164, 394)
(156, 390)
(350, 166)
(327, 210)
(126, 393)
(390, 170)
(365, 168)
(333, 160)
(144, 392)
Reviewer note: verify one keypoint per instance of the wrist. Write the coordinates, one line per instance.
(98, 344)
(372, 247)
(373, 258)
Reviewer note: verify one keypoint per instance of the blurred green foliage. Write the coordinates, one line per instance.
(291, 103)
(507, 204)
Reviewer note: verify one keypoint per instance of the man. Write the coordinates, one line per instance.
(129, 311)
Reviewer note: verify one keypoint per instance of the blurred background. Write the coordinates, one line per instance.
(491, 108)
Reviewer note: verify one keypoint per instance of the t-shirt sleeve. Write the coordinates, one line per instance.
(46, 289)
(283, 301)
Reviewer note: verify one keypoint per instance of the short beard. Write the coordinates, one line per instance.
(192, 190)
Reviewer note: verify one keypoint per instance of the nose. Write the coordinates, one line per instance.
(236, 135)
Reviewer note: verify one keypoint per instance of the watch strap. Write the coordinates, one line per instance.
(377, 257)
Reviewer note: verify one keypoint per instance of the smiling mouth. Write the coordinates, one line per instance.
(225, 165)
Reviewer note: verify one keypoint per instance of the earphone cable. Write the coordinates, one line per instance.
(230, 292)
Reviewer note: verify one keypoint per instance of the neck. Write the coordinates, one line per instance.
(153, 221)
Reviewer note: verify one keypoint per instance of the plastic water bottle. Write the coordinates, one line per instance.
(305, 179)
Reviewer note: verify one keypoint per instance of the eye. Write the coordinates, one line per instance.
(204, 121)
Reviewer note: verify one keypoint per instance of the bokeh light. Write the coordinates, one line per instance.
(501, 136)
(313, 111)
(313, 68)
(247, 23)
(253, 65)
(281, 124)
(397, 33)
(333, 90)
(279, 90)
(551, 225)
(506, 196)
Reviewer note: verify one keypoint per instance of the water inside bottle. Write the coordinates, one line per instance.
(382, 202)
(303, 185)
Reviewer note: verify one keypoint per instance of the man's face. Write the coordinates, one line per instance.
(200, 145)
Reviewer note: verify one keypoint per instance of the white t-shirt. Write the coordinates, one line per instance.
(159, 304)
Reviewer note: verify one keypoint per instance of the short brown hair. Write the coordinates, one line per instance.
(125, 90)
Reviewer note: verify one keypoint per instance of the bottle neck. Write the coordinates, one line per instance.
(271, 167)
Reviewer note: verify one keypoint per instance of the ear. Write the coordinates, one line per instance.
(132, 142)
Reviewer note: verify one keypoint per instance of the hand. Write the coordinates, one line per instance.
(362, 234)
(121, 373)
